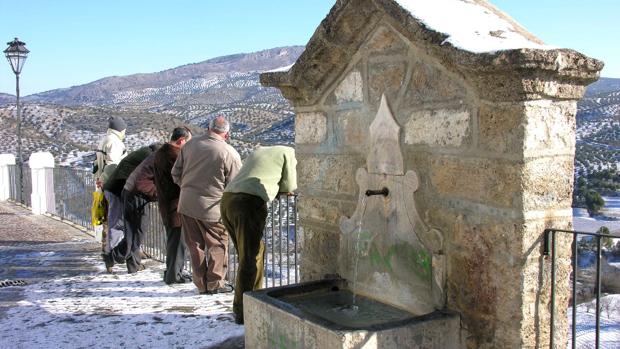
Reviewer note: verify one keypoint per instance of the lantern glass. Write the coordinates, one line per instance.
(17, 61)
(16, 54)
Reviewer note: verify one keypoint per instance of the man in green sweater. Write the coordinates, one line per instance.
(267, 173)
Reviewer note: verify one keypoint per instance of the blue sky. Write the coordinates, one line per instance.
(78, 41)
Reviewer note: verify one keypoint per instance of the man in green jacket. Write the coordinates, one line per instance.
(265, 174)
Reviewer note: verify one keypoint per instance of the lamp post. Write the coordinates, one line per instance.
(16, 54)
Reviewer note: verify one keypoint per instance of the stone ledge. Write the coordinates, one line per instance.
(341, 33)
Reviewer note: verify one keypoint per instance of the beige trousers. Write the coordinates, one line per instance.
(207, 243)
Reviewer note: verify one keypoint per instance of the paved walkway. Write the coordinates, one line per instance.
(68, 301)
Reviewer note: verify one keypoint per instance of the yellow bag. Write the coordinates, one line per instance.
(99, 209)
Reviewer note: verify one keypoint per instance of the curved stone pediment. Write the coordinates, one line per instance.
(349, 23)
(385, 156)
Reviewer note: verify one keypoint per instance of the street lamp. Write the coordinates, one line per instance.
(17, 53)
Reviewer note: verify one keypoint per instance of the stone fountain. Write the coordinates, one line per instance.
(393, 263)
(470, 126)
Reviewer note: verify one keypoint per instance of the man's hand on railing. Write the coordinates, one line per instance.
(282, 193)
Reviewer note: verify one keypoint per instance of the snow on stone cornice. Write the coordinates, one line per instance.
(281, 69)
(470, 25)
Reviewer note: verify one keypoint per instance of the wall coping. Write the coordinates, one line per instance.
(42, 159)
(7, 159)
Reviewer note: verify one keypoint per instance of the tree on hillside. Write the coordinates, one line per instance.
(594, 201)
(607, 242)
(581, 182)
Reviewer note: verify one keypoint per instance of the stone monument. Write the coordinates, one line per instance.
(485, 117)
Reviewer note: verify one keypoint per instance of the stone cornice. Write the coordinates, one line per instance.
(517, 74)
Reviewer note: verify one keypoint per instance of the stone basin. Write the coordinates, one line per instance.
(319, 314)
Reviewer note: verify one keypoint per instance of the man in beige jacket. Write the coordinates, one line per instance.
(205, 165)
(110, 152)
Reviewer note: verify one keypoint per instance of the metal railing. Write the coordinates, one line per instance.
(154, 243)
(588, 242)
(282, 242)
(72, 192)
(281, 239)
(73, 199)
(17, 193)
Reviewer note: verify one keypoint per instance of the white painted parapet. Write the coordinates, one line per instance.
(43, 199)
(5, 180)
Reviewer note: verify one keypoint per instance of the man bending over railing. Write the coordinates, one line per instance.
(266, 173)
(168, 199)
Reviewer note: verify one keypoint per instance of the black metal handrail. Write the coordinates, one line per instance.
(550, 250)
(281, 239)
(73, 198)
(17, 193)
(72, 192)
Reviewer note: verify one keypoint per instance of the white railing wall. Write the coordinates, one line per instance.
(6, 160)
(42, 196)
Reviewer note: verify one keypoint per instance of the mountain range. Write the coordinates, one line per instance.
(197, 83)
(602, 86)
(229, 86)
(598, 128)
(71, 120)
(6, 98)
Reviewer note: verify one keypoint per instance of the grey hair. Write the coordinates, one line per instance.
(219, 124)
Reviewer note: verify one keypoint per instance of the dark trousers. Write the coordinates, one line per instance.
(116, 225)
(175, 255)
(244, 216)
(133, 213)
(207, 243)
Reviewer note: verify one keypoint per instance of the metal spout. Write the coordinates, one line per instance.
(384, 191)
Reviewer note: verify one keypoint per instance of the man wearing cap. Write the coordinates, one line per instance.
(204, 167)
(110, 152)
(111, 149)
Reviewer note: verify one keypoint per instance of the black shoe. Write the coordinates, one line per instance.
(139, 268)
(182, 280)
(185, 278)
(224, 289)
(109, 262)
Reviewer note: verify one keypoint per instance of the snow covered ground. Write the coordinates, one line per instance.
(583, 222)
(612, 207)
(117, 311)
(586, 323)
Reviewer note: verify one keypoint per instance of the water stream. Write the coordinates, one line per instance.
(353, 307)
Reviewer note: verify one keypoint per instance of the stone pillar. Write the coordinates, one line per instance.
(42, 197)
(5, 180)
(491, 137)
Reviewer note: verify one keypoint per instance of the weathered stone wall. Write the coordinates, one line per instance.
(495, 169)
